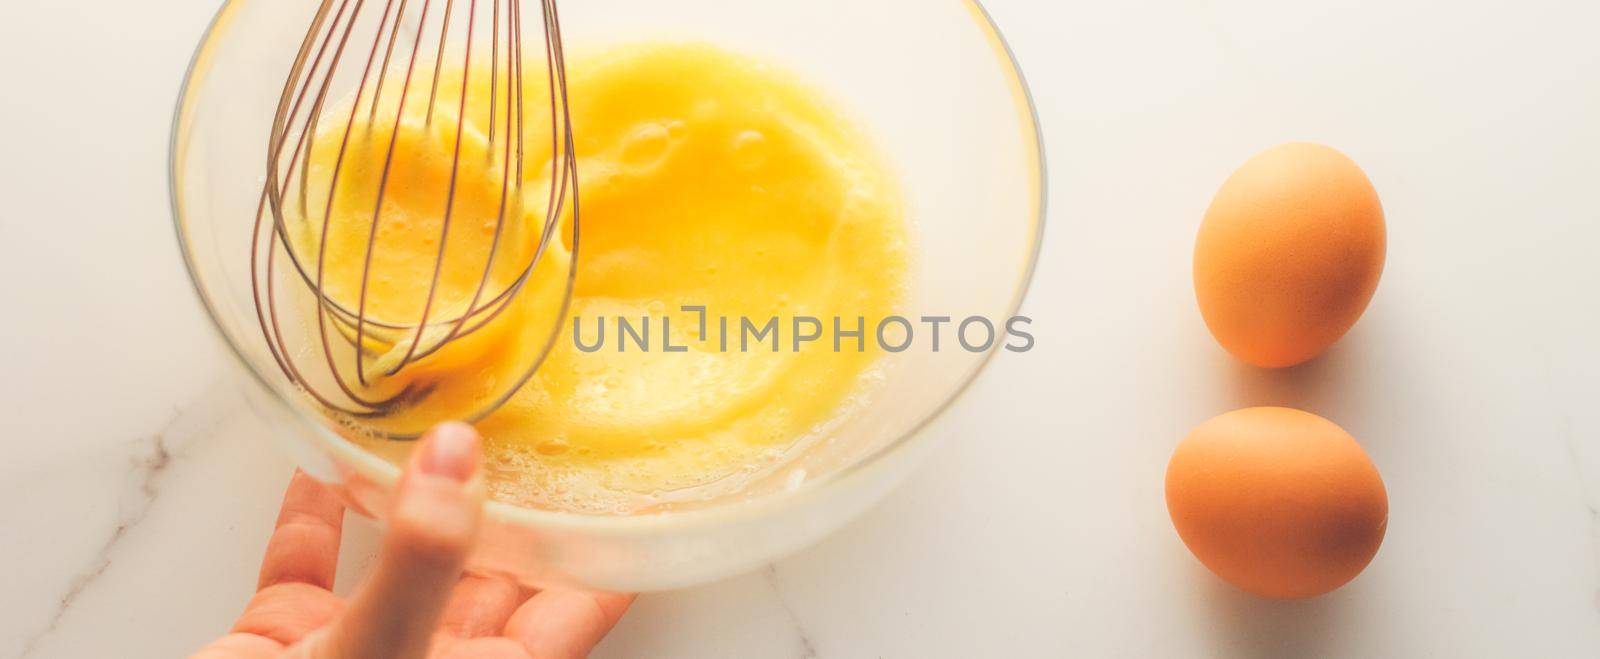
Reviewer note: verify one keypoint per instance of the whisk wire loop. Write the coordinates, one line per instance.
(358, 348)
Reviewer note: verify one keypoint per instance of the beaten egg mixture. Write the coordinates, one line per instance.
(707, 180)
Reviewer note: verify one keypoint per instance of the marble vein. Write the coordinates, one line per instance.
(1589, 503)
(1586, 489)
(808, 649)
(151, 458)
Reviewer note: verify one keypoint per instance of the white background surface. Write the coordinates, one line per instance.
(137, 492)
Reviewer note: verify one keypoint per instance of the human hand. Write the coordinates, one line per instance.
(416, 603)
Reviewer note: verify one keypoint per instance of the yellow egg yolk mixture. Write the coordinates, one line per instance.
(708, 180)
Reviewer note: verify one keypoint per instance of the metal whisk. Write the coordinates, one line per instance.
(359, 366)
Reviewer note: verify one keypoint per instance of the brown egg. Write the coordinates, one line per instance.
(1279, 502)
(1289, 254)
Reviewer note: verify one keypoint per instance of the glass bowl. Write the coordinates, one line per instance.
(931, 82)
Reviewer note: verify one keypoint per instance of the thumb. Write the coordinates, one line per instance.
(432, 527)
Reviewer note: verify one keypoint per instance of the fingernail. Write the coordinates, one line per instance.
(450, 450)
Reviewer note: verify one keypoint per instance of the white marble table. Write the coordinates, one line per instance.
(138, 490)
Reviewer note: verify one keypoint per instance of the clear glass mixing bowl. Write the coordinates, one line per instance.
(931, 81)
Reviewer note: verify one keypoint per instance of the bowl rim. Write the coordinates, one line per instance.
(385, 474)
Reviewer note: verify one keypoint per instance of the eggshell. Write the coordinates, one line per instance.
(1279, 502)
(1289, 254)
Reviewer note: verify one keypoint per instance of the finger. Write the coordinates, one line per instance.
(480, 606)
(432, 526)
(240, 646)
(288, 612)
(305, 543)
(489, 647)
(564, 623)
